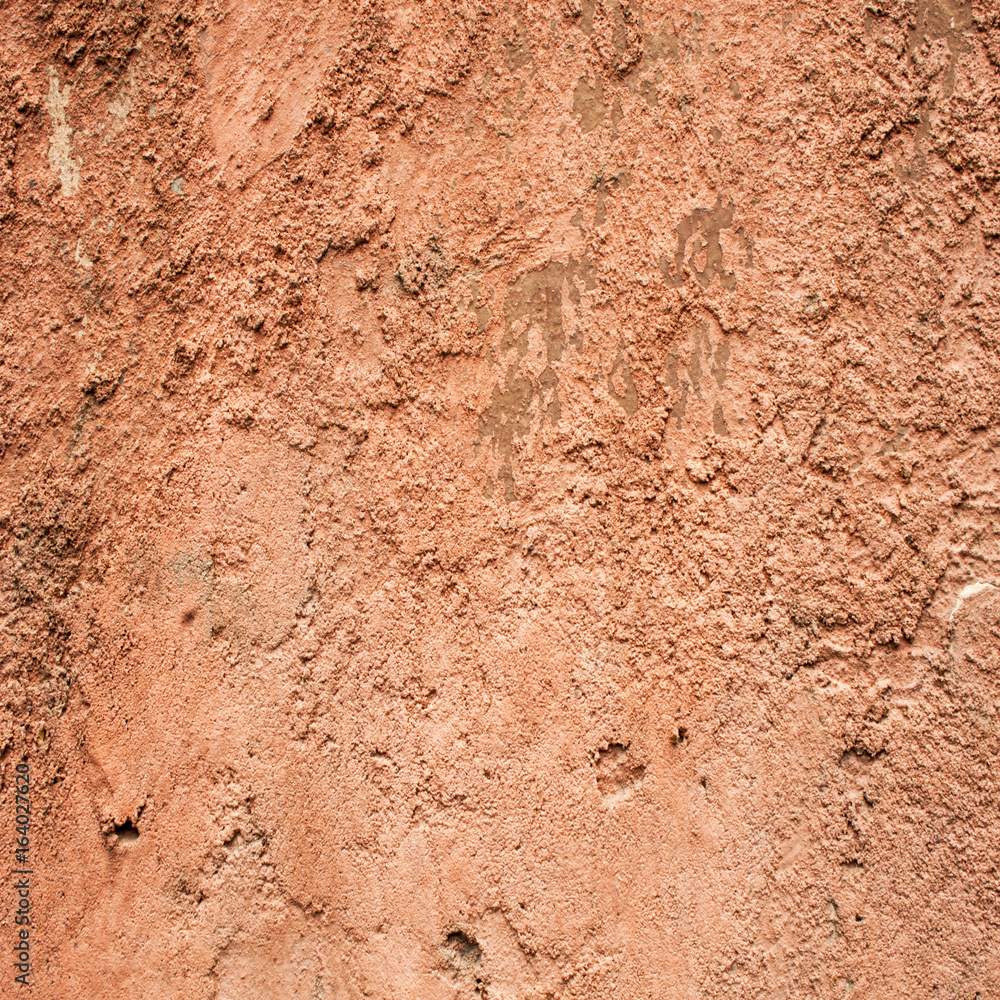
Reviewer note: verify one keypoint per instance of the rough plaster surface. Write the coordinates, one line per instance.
(500, 500)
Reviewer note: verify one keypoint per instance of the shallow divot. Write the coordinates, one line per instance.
(462, 952)
(617, 773)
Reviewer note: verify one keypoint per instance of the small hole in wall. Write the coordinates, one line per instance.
(189, 617)
(126, 832)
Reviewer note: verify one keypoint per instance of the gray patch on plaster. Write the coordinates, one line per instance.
(60, 162)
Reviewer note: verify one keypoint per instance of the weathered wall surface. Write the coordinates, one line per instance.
(500, 500)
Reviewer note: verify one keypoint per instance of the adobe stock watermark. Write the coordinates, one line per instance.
(22, 873)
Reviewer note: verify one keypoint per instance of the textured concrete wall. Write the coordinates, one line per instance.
(499, 500)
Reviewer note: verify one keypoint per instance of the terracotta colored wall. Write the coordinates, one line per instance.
(499, 500)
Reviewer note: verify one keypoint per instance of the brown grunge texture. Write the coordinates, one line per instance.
(498, 499)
